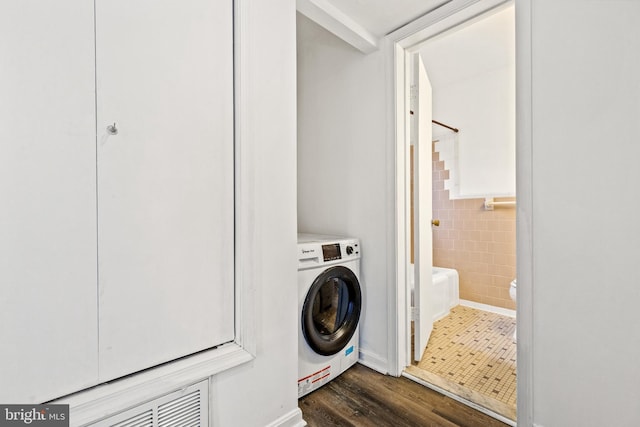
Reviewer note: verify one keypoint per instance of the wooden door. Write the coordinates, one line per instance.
(165, 180)
(48, 314)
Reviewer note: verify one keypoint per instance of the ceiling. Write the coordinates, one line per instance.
(381, 17)
(471, 50)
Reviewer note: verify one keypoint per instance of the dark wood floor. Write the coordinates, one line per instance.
(363, 397)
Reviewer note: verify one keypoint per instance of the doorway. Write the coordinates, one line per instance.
(471, 249)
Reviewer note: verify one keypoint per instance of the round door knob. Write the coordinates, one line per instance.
(435, 222)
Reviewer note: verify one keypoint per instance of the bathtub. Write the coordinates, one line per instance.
(444, 291)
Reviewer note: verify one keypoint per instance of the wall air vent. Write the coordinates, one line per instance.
(144, 419)
(184, 411)
(188, 407)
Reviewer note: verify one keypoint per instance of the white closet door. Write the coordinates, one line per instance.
(165, 180)
(48, 313)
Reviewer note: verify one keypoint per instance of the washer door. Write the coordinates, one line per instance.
(331, 310)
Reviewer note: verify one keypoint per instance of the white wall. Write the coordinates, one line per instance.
(472, 72)
(342, 163)
(583, 116)
(265, 391)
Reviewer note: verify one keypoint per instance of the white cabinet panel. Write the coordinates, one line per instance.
(48, 310)
(165, 180)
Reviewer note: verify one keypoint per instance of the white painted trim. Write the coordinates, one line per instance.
(373, 361)
(337, 22)
(393, 240)
(291, 419)
(111, 398)
(524, 219)
(489, 308)
(460, 399)
(398, 296)
(245, 243)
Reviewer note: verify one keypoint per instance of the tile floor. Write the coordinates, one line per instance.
(472, 354)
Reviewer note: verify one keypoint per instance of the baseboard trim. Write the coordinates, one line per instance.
(290, 419)
(489, 308)
(373, 361)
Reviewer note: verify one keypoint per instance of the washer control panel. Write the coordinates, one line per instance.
(315, 250)
(334, 251)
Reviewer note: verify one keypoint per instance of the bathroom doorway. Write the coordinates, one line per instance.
(471, 352)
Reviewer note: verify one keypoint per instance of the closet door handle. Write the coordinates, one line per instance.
(112, 129)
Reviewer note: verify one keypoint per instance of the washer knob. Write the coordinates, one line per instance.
(349, 250)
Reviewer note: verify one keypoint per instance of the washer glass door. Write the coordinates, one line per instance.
(331, 310)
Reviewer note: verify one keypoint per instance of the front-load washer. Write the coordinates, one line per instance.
(330, 302)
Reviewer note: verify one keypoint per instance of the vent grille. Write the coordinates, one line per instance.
(140, 420)
(182, 412)
(183, 408)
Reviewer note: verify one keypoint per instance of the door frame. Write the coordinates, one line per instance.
(397, 46)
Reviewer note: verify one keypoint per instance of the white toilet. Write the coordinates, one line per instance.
(512, 294)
